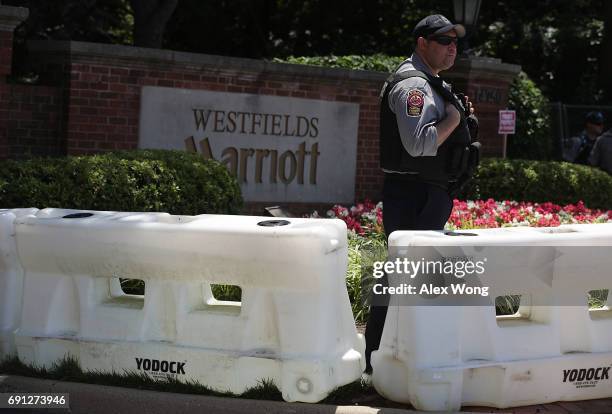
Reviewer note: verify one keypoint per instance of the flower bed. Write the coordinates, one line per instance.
(365, 218)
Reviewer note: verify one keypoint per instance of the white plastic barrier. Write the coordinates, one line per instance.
(11, 279)
(11, 272)
(294, 324)
(442, 357)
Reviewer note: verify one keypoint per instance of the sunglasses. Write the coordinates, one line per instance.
(444, 40)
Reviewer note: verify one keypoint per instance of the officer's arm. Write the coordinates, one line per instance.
(419, 121)
(448, 124)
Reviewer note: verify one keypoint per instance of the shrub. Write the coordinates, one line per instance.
(377, 62)
(533, 138)
(151, 180)
(540, 181)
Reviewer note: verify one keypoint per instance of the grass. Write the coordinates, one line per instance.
(68, 369)
(348, 392)
(508, 305)
(598, 298)
(363, 252)
(220, 292)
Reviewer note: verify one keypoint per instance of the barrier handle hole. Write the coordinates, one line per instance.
(77, 215)
(227, 293)
(273, 223)
(454, 233)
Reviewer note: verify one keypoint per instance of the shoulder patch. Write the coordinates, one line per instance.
(414, 103)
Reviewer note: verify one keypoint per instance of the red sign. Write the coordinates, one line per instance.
(507, 121)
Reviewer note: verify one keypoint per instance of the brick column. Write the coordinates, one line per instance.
(10, 17)
(487, 82)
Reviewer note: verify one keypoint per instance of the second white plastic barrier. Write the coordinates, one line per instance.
(441, 357)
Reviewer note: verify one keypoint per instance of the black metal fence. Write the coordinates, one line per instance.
(568, 121)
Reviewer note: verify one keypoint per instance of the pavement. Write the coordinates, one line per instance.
(103, 399)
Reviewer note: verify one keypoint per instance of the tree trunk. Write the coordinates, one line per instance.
(150, 19)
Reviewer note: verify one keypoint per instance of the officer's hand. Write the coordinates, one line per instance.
(452, 113)
(469, 105)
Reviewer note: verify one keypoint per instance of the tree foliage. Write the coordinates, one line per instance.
(150, 19)
(279, 28)
(105, 21)
(533, 138)
(563, 45)
(558, 43)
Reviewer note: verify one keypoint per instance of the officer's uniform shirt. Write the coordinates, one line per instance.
(601, 155)
(417, 108)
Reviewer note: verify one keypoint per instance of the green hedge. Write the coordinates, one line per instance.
(176, 182)
(377, 62)
(540, 181)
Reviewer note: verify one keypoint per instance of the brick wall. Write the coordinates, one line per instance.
(487, 82)
(6, 55)
(6, 52)
(10, 17)
(33, 120)
(4, 148)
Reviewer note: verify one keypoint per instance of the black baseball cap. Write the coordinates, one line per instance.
(595, 117)
(436, 24)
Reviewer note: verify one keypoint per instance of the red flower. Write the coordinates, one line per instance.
(367, 217)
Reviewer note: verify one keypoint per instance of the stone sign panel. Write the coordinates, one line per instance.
(281, 149)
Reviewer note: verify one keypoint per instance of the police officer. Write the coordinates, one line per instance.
(578, 148)
(424, 144)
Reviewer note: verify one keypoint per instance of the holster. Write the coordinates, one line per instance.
(473, 159)
(472, 123)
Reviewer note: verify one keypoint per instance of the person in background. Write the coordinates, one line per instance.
(601, 155)
(579, 148)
